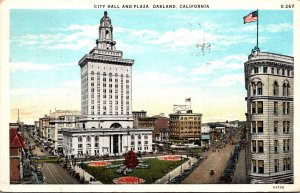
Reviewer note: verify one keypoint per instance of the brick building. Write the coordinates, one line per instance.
(16, 148)
(159, 124)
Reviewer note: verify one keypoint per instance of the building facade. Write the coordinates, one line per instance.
(269, 82)
(139, 114)
(185, 126)
(59, 120)
(160, 126)
(106, 102)
(16, 152)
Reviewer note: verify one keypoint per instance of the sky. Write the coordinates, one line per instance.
(178, 54)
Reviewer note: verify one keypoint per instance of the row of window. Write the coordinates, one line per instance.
(258, 146)
(272, 70)
(257, 107)
(258, 126)
(258, 165)
(185, 118)
(110, 74)
(257, 88)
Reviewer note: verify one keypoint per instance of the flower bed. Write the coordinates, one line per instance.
(169, 158)
(128, 180)
(99, 163)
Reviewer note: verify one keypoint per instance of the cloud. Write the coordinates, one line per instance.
(30, 66)
(228, 80)
(228, 63)
(279, 27)
(35, 102)
(180, 69)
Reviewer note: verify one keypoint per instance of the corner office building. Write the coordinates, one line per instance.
(106, 123)
(269, 82)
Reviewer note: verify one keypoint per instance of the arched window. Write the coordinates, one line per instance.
(253, 88)
(88, 139)
(139, 137)
(92, 73)
(259, 88)
(132, 137)
(98, 73)
(79, 139)
(116, 75)
(275, 88)
(110, 74)
(285, 88)
(96, 138)
(104, 74)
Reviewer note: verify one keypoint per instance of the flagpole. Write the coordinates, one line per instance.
(257, 30)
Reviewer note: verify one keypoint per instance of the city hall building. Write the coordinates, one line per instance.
(269, 82)
(106, 122)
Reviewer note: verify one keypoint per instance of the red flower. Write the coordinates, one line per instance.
(169, 158)
(128, 180)
(99, 163)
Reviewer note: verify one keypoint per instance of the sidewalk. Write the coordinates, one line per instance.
(240, 171)
(86, 175)
(176, 171)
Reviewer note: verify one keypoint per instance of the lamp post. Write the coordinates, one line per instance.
(181, 164)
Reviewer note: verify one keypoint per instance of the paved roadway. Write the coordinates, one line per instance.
(53, 173)
(215, 160)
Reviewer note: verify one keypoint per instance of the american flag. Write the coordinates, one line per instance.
(188, 99)
(253, 16)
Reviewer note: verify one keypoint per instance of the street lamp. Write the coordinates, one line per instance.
(181, 164)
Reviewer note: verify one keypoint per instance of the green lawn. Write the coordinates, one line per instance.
(158, 169)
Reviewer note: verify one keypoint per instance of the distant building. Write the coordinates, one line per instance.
(185, 126)
(60, 120)
(159, 124)
(44, 124)
(16, 151)
(139, 114)
(269, 82)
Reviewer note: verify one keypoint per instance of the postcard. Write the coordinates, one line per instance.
(149, 96)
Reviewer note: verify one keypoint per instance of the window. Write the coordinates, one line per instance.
(253, 146)
(259, 107)
(260, 166)
(79, 145)
(284, 108)
(254, 88)
(275, 126)
(282, 72)
(79, 139)
(275, 88)
(265, 69)
(259, 88)
(88, 139)
(287, 127)
(285, 89)
(260, 146)
(272, 70)
(254, 166)
(253, 107)
(284, 127)
(286, 145)
(288, 73)
(276, 165)
(253, 127)
(276, 146)
(256, 70)
(275, 107)
(288, 108)
(284, 164)
(260, 126)
(288, 163)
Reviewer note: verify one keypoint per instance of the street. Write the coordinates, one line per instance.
(53, 173)
(216, 161)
